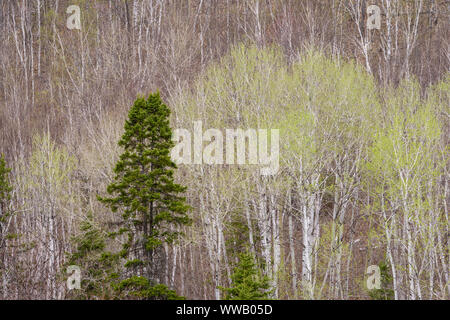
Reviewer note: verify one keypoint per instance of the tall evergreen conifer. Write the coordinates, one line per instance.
(144, 190)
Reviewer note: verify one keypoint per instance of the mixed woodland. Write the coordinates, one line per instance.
(87, 116)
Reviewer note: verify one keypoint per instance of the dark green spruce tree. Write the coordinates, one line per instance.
(5, 211)
(99, 268)
(247, 281)
(385, 292)
(144, 191)
(5, 198)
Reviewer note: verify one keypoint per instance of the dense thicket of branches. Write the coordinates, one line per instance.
(363, 118)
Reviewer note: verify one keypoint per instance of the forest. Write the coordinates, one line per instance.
(118, 179)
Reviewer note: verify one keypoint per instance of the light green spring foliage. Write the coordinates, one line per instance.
(315, 102)
(403, 153)
(438, 100)
(332, 106)
(331, 115)
(406, 162)
(49, 172)
(241, 91)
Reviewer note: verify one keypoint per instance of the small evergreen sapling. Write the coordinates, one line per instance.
(5, 212)
(385, 292)
(5, 198)
(247, 282)
(98, 266)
